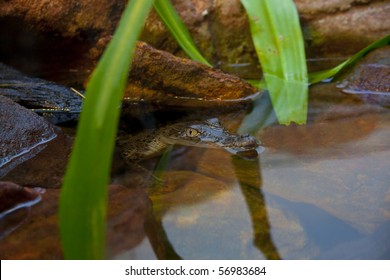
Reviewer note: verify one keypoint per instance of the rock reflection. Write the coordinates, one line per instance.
(12, 221)
(15, 203)
(184, 188)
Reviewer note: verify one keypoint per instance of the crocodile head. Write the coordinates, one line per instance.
(208, 134)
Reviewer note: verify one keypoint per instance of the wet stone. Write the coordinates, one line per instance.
(22, 134)
(15, 203)
(370, 78)
(54, 102)
(38, 236)
(46, 167)
(14, 196)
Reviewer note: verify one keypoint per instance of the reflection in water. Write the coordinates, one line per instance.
(289, 97)
(262, 115)
(325, 183)
(13, 220)
(155, 231)
(159, 240)
(250, 183)
(248, 176)
(323, 187)
(322, 229)
(15, 203)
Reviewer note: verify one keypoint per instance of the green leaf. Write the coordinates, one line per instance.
(278, 40)
(178, 29)
(162, 164)
(326, 74)
(83, 200)
(260, 84)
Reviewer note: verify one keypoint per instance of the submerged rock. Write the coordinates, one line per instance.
(39, 238)
(32, 151)
(13, 196)
(15, 202)
(45, 168)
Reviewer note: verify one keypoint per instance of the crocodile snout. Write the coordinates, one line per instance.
(242, 142)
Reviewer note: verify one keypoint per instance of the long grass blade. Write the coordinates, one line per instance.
(178, 29)
(278, 40)
(326, 74)
(84, 192)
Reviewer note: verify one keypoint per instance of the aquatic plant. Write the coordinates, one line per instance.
(316, 77)
(178, 29)
(278, 41)
(83, 200)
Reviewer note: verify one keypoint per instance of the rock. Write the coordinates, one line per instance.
(68, 18)
(159, 77)
(369, 79)
(45, 168)
(23, 134)
(156, 77)
(15, 203)
(73, 34)
(55, 102)
(13, 196)
(32, 151)
(221, 31)
(38, 237)
(342, 27)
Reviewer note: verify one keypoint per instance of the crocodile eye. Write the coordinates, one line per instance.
(191, 132)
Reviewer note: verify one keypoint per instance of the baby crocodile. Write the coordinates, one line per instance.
(207, 133)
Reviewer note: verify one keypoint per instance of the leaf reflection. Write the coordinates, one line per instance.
(250, 180)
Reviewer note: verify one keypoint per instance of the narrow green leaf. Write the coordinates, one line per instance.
(326, 74)
(260, 84)
(279, 44)
(163, 161)
(84, 192)
(178, 29)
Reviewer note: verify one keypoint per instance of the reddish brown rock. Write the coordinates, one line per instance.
(72, 34)
(38, 237)
(220, 28)
(13, 195)
(160, 77)
(369, 79)
(46, 167)
(68, 18)
(342, 27)
(22, 135)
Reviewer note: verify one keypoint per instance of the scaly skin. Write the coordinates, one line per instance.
(210, 134)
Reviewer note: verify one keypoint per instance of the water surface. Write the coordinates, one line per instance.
(318, 191)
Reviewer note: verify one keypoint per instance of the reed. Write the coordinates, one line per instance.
(83, 200)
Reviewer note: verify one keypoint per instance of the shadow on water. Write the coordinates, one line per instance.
(321, 228)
